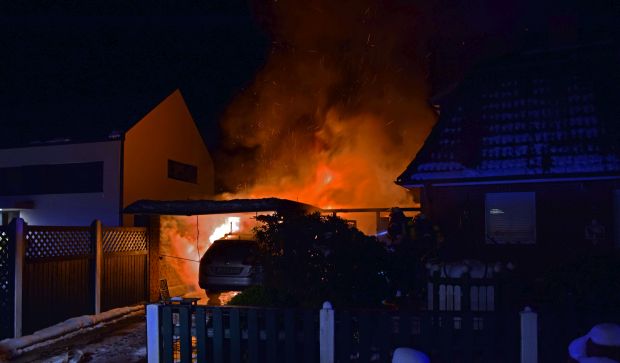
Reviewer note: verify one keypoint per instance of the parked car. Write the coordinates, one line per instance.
(231, 263)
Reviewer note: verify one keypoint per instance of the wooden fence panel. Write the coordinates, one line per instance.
(56, 290)
(253, 337)
(125, 267)
(284, 335)
(201, 335)
(311, 331)
(7, 281)
(372, 335)
(167, 335)
(185, 335)
(272, 335)
(58, 278)
(124, 280)
(235, 335)
(290, 336)
(218, 337)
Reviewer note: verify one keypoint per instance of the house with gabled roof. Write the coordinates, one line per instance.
(525, 157)
(76, 179)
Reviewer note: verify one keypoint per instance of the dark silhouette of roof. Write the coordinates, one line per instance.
(104, 120)
(198, 207)
(533, 115)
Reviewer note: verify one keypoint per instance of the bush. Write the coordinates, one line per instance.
(311, 258)
(255, 296)
(591, 281)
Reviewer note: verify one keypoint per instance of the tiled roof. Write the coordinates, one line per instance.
(534, 115)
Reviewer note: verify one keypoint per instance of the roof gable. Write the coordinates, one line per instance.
(542, 117)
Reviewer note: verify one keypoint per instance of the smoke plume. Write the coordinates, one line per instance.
(339, 109)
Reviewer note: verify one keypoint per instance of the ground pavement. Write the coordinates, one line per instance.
(120, 341)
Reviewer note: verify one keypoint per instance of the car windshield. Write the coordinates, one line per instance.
(232, 249)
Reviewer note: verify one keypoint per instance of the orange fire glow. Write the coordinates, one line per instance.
(184, 239)
(231, 225)
(338, 111)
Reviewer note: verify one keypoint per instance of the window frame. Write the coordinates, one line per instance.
(489, 240)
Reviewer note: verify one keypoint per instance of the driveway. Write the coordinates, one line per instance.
(122, 341)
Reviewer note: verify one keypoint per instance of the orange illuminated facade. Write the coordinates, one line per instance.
(165, 157)
(66, 182)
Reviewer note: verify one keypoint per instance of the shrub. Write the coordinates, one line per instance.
(255, 296)
(591, 281)
(309, 258)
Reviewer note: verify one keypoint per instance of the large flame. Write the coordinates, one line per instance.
(231, 225)
(338, 111)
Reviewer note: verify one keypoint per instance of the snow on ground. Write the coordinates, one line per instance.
(98, 338)
(121, 341)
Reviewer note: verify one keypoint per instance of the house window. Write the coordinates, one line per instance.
(510, 218)
(183, 172)
(52, 179)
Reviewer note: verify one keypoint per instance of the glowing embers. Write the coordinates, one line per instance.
(324, 175)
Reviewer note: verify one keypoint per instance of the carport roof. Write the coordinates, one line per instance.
(205, 206)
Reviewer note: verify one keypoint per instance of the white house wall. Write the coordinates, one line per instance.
(77, 209)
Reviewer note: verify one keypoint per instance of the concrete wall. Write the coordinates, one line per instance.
(168, 132)
(78, 209)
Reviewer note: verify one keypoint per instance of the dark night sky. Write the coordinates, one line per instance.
(70, 69)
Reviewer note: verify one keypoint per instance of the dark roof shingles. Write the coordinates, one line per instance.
(537, 122)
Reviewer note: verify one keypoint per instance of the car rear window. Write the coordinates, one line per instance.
(232, 249)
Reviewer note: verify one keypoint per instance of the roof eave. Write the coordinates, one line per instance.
(513, 180)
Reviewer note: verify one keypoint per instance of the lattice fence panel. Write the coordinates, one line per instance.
(57, 242)
(6, 284)
(124, 239)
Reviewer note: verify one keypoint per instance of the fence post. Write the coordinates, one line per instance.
(152, 333)
(20, 260)
(153, 258)
(468, 316)
(436, 280)
(97, 246)
(529, 336)
(326, 333)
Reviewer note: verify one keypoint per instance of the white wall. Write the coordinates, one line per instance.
(69, 209)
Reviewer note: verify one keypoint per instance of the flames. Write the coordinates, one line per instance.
(337, 112)
(184, 239)
(231, 225)
(334, 116)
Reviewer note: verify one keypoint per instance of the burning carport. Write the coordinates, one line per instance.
(182, 230)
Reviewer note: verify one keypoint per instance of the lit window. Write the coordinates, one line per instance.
(510, 218)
